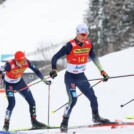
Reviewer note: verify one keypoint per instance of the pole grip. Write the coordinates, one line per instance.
(113, 77)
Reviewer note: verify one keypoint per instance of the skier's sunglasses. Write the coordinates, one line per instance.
(22, 62)
(84, 34)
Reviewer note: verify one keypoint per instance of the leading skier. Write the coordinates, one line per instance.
(77, 52)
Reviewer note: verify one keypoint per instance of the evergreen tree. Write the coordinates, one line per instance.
(111, 24)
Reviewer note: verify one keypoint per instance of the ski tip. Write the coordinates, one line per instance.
(4, 132)
(129, 117)
(53, 112)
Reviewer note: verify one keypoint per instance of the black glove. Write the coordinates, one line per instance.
(47, 82)
(105, 75)
(53, 73)
(1, 72)
(1, 75)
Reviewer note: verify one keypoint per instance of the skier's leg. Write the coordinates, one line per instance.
(88, 91)
(72, 95)
(32, 107)
(11, 104)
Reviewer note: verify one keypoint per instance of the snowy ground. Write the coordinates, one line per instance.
(129, 130)
(110, 95)
(28, 23)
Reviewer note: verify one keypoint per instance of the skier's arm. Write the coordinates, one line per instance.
(66, 49)
(95, 59)
(35, 70)
(2, 69)
(62, 52)
(5, 68)
(38, 73)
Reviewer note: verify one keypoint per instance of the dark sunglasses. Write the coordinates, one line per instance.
(83, 34)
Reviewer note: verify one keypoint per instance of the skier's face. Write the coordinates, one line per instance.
(20, 63)
(81, 37)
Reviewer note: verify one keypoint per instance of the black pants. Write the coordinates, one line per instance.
(75, 80)
(26, 93)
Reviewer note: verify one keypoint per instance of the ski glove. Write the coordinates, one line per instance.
(105, 75)
(47, 82)
(0, 73)
(53, 73)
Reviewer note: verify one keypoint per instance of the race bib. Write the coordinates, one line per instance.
(76, 69)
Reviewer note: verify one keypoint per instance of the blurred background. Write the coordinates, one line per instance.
(41, 27)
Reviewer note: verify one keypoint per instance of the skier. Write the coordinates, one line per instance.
(77, 53)
(13, 80)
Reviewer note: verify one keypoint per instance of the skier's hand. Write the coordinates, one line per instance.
(105, 75)
(47, 82)
(0, 73)
(53, 73)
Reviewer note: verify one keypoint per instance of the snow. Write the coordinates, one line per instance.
(110, 96)
(28, 24)
(25, 24)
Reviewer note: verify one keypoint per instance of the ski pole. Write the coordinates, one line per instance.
(77, 96)
(48, 102)
(110, 77)
(127, 103)
(16, 91)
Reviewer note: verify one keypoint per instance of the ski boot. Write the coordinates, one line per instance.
(37, 125)
(97, 119)
(64, 125)
(6, 125)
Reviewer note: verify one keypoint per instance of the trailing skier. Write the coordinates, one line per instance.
(13, 80)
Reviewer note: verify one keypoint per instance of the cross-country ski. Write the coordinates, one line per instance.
(66, 67)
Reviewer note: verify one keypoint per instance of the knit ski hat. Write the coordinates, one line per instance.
(19, 55)
(82, 28)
